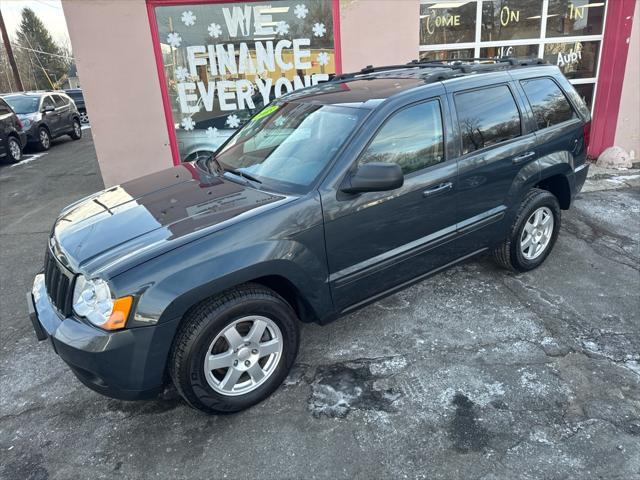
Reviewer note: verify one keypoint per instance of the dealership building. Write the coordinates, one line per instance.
(168, 80)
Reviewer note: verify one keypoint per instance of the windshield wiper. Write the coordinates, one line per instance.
(240, 173)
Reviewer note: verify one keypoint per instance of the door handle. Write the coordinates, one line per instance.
(523, 158)
(440, 188)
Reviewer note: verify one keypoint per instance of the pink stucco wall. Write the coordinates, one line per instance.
(628, 126)
(378, 32)
(117, 68)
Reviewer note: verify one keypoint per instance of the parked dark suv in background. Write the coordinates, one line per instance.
(45, 116)
(12, 136)
(78, 98)
(328, 199)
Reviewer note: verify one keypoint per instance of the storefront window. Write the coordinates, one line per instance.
(576, 59)
(510, 51)
(575, 17)
(447, 54)
(509, 20)
(585, 91)
(442, 22)
(222, 62)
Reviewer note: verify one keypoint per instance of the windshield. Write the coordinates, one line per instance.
(23, 103)
(287, 145)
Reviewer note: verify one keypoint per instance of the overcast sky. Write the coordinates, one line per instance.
(49, 11)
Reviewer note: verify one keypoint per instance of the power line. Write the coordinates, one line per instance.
(44, 53)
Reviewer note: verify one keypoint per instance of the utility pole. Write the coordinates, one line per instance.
(12, 60)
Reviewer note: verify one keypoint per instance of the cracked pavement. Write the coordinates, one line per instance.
(473, 373)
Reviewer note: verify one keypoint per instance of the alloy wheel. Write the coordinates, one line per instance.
(243, 356)
(14, 149)
(77, 128)
(44, 139)
(537, 233)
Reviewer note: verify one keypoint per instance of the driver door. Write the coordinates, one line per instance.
(377, 241)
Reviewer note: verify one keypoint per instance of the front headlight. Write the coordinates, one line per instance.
(92, 300)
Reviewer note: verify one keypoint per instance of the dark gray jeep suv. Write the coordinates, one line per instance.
(326, 200)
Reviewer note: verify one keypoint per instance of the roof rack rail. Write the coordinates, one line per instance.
(465, 65)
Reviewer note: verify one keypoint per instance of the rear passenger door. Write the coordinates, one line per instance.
(62, 108)
(496, 152)
(559, 128)
(52, 118)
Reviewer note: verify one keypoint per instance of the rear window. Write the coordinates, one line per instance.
(487, 117)
(550, 106)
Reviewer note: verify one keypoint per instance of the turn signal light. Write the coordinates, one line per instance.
(120, 313)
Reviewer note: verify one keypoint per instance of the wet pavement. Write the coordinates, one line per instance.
(474, 373)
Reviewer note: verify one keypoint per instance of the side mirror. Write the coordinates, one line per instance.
(374, 177)
(48, 108)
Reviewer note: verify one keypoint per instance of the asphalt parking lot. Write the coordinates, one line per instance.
(474, 373)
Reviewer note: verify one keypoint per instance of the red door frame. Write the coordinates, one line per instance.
(613, 60)
(155, 39)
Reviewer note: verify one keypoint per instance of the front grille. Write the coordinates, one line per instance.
(58, 282)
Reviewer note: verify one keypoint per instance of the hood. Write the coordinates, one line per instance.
(164, 209)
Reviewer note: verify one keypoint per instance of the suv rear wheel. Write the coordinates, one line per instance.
(76, 133)
(44, 139)
(14, 150)
(533, 233)
(234, 350)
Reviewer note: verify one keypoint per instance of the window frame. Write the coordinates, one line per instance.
(523, 131)
(445, 157)
(569, 102)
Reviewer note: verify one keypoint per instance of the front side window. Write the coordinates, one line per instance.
(413, 138)
(48, 102)
(548, 103)
(287, 145)
(486, 117)
(59, 100)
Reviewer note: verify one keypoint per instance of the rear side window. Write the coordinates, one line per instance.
(4, 108)
(550, 106)
(48, 102)
(487, 117)
(413, 138)
(60, 100)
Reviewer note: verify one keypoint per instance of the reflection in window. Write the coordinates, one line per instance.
(487, 116)
(576, 60)
(224, 61)
(510, 51)
(508, 20)
(575, 17)
(440, 23)
(412, 138)
(550, 106)
(447, 54)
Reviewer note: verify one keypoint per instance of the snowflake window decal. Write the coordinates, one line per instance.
(212, 132)
(188, 123)
(233, 121)
(182, 73)
(215, 30)
(174, 39)
(323, 58)
(282, 28)
(319, 29)
(301, 10)
(188, 18)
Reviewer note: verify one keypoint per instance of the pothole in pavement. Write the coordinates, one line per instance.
(338, 388)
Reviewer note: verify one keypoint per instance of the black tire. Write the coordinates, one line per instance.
(44, 139)
(14, 150)
(205, 321)
(76, 133)
(509, 255)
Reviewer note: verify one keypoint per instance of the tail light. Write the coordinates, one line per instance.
(586, 129)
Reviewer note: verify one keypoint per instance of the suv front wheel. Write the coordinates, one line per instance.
(533, 233)
(234, 350)
(14, 149)
(44, 139)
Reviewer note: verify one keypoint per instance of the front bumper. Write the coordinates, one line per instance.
(128, 364)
